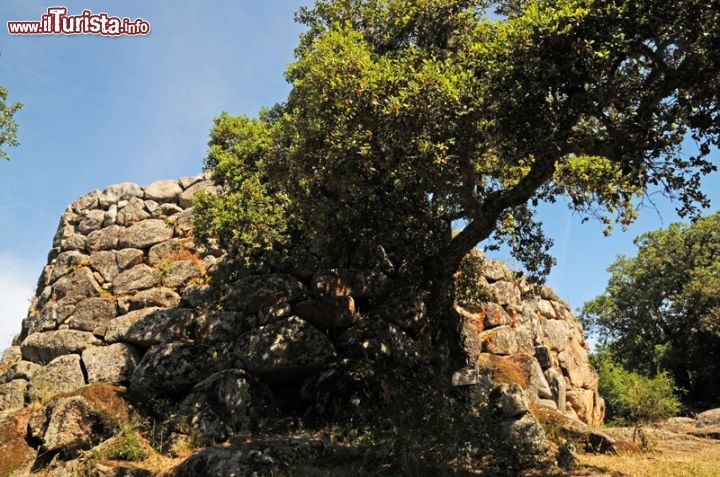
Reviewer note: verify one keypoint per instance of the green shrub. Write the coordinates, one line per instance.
(633, 398)
(469, 287)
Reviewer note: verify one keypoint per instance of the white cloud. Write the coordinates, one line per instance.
(17, 286)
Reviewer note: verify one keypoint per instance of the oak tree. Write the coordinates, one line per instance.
(661, 308)
(408, 117)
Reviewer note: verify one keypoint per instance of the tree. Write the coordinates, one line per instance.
(8, 126)
(661, 309)
(408, 116)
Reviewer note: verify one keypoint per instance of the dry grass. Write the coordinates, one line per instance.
(674, 454)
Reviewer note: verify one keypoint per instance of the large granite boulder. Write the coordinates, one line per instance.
(286, 350)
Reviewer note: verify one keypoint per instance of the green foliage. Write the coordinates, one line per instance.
(408, 116)
(661, 308)
(469, 286)
(632, 397)
(250, 215)
(8, 126)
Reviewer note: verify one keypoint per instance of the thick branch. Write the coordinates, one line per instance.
(484, 221)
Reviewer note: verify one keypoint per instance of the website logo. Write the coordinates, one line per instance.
(57, 22)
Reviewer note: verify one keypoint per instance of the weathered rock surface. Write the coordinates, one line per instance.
(75, 420)
(44, 347)
(145, 234)
(255, 292)
(709, 418)
(517, 424)
(17, 454)
(166, 190)
(286, 350)
(19, 370)
(328, 312)
(225, 462)
(12, 394)
(113, 364)
(63, 374)
(378, 341)
(91, 313)
(176, 367)
(139, 277)
(226, 404)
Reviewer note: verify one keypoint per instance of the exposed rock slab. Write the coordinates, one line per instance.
(44, 347)
(225, 462)
(166, 190)
(254, 292)
(139, 277)
(12, 394)
(76, 286)
(146, 234)
(287, 350)
(328, 312)
(176, 367)
(91, 313)
(224, 405)
(17, 454)
(111, 364)
(61, 375)
(378, 340)
(151, 326)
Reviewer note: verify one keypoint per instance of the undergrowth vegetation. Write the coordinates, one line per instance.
(632, 398)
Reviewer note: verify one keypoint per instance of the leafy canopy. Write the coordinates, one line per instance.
(408, 116)
(661, 308)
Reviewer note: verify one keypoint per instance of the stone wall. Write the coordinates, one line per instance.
(532, 338)
(126, 299)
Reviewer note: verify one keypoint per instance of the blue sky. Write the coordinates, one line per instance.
(101, 110)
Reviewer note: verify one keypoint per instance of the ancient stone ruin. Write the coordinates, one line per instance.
(126, 304)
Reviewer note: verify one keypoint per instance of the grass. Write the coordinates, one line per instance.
(703, 462)
(675, 454)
